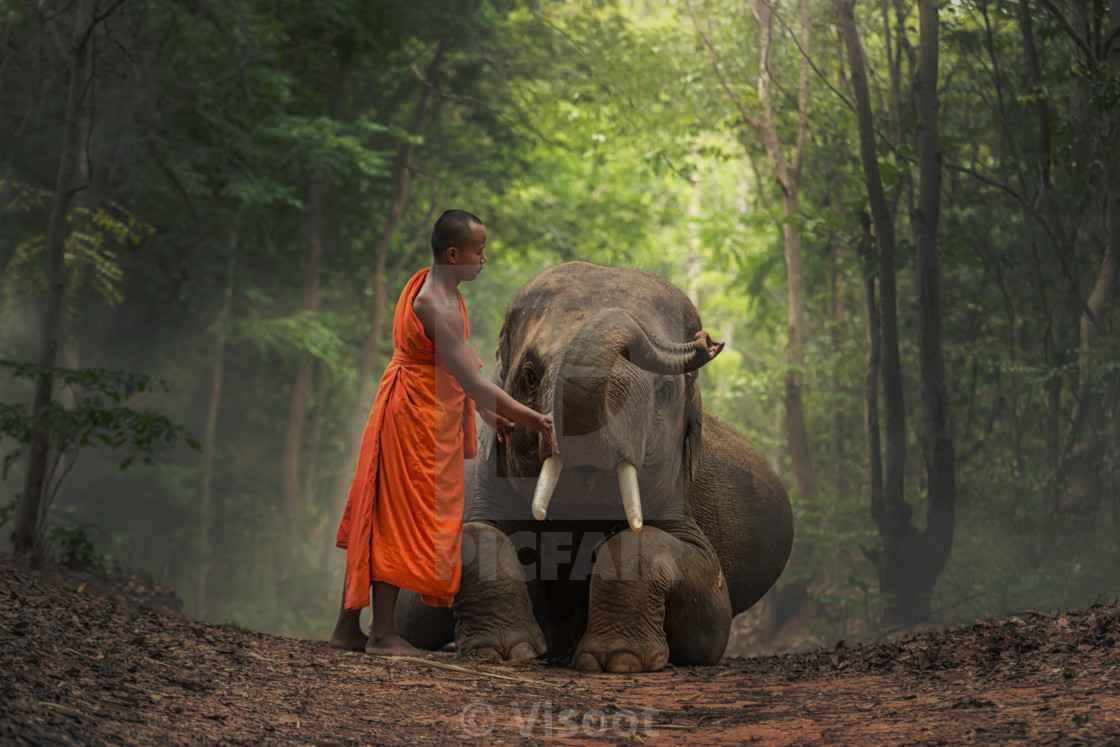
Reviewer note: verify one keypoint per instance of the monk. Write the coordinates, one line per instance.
(403, 519)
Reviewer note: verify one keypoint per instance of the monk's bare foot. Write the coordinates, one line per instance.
(348, 639)
(390, 645)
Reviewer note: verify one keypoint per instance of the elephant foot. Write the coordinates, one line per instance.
(493, 613)
(620, 656)
(634, 573)
(515, 644)
(520, 653)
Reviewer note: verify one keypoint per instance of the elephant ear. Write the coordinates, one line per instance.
(693, 429)
(502, 353)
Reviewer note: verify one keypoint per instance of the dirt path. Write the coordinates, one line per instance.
(76, 669)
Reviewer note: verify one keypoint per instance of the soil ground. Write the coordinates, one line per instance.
(89, 661)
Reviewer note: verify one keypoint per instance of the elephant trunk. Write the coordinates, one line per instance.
(601, 369)
(594, 379)
(618, 332)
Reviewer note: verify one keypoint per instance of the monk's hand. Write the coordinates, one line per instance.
(504, 429)
(546, 428)
(502, 426)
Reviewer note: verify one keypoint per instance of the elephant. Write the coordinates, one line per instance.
(635, 542)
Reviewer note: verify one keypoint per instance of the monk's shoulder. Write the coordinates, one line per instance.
(422, 302)
(432, 307)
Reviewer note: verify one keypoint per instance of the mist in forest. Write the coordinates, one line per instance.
(917, 285)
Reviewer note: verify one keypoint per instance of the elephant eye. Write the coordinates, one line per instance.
(528, 379)
(667, 389)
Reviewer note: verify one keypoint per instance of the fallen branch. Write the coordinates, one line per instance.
(456, 668)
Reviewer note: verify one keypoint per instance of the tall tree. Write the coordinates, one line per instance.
(1095, 57)
(785, 598)
(935, 541)
(210, 434)
(319, 186)
(27, 540)
(911, 559)
(787, 171)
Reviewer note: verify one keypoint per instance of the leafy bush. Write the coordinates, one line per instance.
(97, 417)
(75, 549)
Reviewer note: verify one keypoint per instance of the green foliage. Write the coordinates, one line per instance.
(302, 332)
(74, 548)
(329, 145)
(9, 511)
(22, 198)
(91, 421)
(89, 250)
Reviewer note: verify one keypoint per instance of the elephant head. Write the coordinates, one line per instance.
(627, 410)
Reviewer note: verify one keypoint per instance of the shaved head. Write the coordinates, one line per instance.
(453, 228)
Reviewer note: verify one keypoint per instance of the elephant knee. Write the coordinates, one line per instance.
(488, 555)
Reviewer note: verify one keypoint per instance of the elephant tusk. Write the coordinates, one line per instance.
(546, 483)
(631, 498)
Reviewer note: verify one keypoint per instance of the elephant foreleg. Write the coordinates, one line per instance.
(654, 599)
(493, 613)
(423, 626)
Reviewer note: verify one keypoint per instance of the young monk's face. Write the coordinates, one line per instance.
(471, 256)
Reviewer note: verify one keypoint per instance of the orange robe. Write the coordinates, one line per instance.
(404, 515)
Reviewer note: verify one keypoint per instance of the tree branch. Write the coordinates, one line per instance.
(106, 14)
(1045, 227)
(747, 118)
(1071, 32)
(813, 66)
(802, 87)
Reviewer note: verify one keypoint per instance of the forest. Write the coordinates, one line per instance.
(902, 217)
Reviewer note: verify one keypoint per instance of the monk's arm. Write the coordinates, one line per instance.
(461, 360)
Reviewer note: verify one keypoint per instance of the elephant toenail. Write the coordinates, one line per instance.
(522, 652)
(487, 653)
(586, 662)
(625, 662)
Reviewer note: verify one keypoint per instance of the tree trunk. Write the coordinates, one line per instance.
(883, 225)
(28, 542)
(789, 176)
(836, 314)
(911, 560)
(1041, 101)
(80, 209)
(312, 482)
(1051, 494)
(871, 375)
(297, 409)
(320, 182)
(1082, 447)
(209, 438)
(894, 70)
(938, 441)
(1077, 17)
(785, 599)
